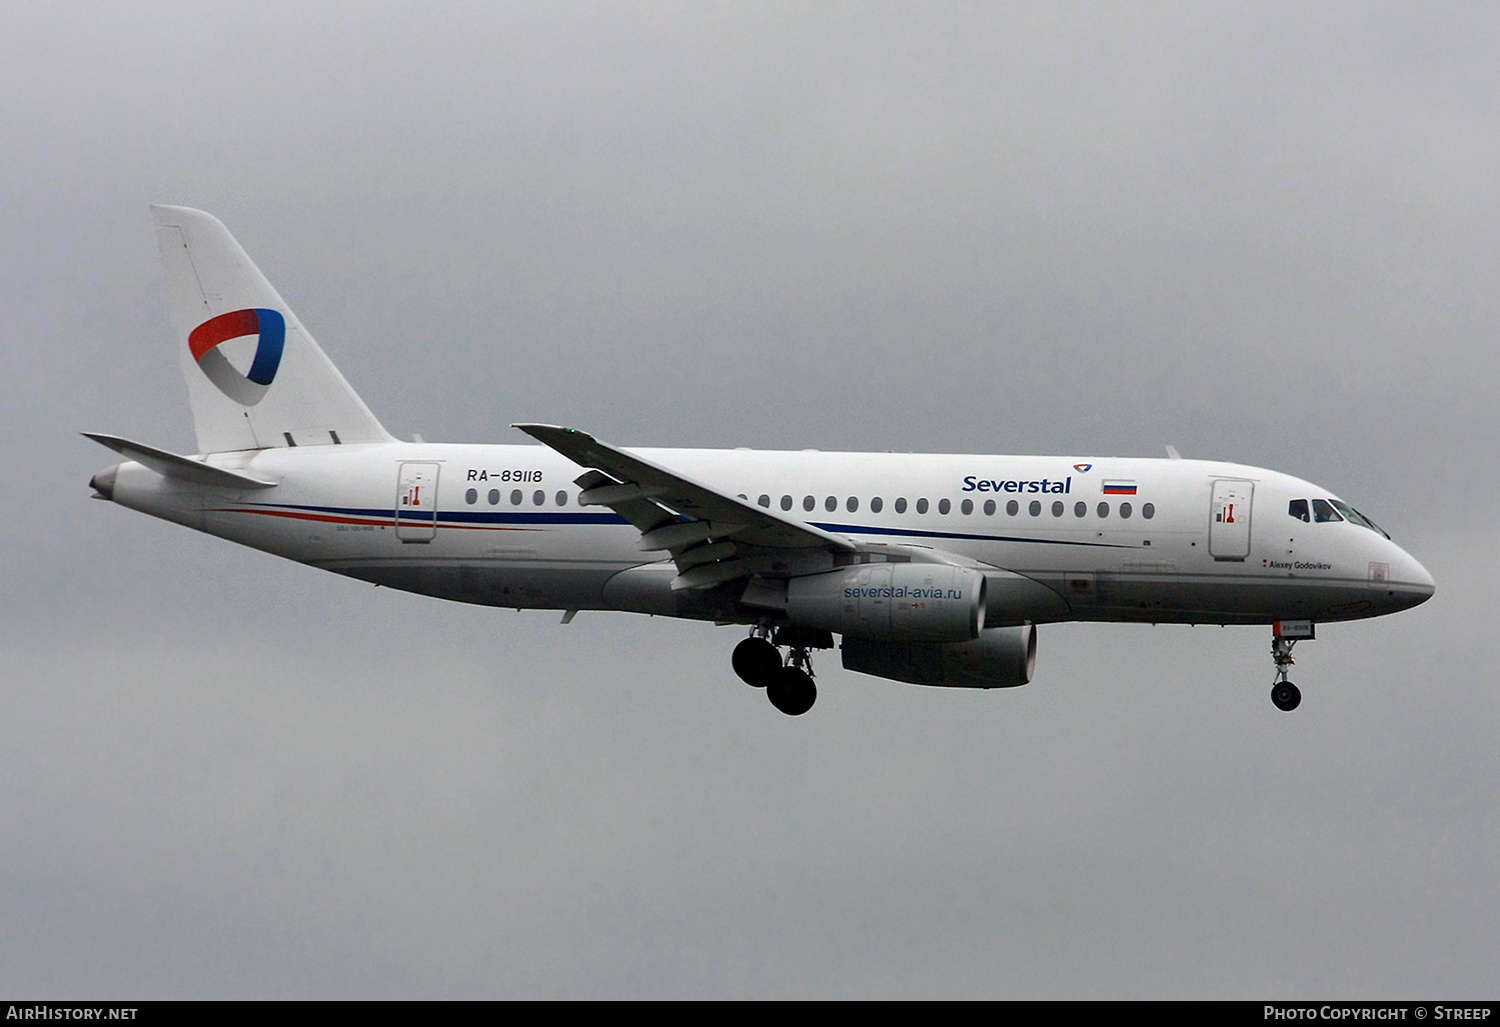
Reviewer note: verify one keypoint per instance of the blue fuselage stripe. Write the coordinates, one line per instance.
(549, 517)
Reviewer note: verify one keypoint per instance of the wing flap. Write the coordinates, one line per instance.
(693, 500)
(712, 537)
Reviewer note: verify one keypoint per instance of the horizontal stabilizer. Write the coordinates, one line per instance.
(183, 468)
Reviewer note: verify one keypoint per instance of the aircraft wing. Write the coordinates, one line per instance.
(712, 537)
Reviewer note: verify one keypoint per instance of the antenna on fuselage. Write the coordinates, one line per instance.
(1172, 453)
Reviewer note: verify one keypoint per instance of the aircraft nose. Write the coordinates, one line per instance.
(1415, 580)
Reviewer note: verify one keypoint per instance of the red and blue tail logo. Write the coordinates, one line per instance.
(269, 327)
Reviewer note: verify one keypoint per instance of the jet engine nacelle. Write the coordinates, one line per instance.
(998, 658)
(894, 601)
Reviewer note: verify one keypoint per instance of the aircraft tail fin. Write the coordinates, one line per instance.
(256, 378)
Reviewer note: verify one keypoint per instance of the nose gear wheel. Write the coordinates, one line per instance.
(1284, 695)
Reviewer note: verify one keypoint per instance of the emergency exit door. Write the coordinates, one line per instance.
(1229, 523)
(416, 502)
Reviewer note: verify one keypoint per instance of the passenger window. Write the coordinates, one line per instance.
(515, 497)
(1080, 509)
(1103, 510)
(808, 502)
(989, 508)
(1036, 508)
(967, 506)
(1125, 509)
(1012, 508)
(765, 501)
(562, 499)
(471, 497)
(786, 502)
(831, 504)
(1148, 511)
(539, 497)
(1298, 508)
(1323, 511)
(944, 506)
(852, 505)
(876, 504)
(901, 505)
(922, 506)
(494, 497)
(1057, 508)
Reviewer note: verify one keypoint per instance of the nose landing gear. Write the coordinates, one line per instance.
(788, 684)
(1285, 634)
(1286, 696)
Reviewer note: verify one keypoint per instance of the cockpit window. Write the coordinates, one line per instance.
(1353, 516)
(1375, 526)
(1350, 514)
(1323, 511)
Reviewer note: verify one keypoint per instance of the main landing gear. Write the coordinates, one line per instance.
(1285, 634)
(789, 684)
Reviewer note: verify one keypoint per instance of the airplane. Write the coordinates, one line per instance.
(933, 569)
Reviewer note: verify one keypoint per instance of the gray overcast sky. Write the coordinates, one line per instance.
(1263, 232)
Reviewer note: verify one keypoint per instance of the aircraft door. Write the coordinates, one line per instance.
(416, 502)
(1229, 520)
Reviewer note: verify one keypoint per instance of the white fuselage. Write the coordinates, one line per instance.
(1111, 539)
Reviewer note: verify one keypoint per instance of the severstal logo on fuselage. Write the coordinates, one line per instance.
(1063, 486)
